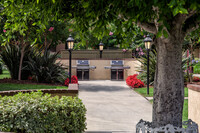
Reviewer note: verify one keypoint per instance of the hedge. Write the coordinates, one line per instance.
(38, 113)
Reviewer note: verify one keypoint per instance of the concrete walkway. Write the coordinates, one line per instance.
(112, 107)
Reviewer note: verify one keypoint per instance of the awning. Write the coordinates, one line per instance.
(117, 67)
(84, 67)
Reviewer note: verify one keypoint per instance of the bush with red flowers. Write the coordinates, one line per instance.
(74, 80)
(196, 79)
(133, 82)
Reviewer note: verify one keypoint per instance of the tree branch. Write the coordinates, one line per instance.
(147, 26)
(192, 27)
(180, 19)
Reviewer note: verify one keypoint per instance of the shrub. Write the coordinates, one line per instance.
(1, 68)
(44, 68)
(197, 68)
(196, 79)
(10, 56)
(152, 67)
(38, 113)
(74, 80)
(132, 81)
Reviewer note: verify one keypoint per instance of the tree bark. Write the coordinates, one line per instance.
(168, 83)
(21, 61)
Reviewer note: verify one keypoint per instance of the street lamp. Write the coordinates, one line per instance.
(147, 42)
(70, 44)
(101, 48)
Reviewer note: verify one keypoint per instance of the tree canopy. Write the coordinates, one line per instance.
(168, 20)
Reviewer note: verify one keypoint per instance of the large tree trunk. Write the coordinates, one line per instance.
(168, 83)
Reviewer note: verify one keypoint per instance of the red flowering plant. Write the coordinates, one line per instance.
(133, 82)
(74, 80)
(196, 79)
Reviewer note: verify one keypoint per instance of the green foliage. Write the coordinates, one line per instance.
(13, 86)
(44, 68)
(38, 113)
(197, 68)
(152, 67)
(5, 74)
(1, 68)
(24, 18)
(10, 56)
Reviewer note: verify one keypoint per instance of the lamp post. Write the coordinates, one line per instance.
(70, 44)
(101, 49)
(147, 42)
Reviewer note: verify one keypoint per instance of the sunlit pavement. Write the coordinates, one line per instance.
(112, 107)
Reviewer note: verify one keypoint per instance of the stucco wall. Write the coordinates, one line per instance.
(100, 73)
(194, 103)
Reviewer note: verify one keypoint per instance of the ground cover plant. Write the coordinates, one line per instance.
(38, 113)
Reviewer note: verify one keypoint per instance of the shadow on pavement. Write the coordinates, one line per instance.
(101, 88)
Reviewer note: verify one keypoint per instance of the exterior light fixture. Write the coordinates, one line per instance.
(101, 48)
(70, 45)
(70, 42)
(148, 42)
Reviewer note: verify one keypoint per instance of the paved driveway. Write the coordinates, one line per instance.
(112, 106)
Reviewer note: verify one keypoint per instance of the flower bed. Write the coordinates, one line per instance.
(74, 80)
(133, 82)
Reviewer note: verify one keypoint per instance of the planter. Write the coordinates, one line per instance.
(146, 127)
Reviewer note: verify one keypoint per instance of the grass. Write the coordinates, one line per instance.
(143, 92)
(185, 109)
(9, 86)
(5, 74)
(12, 86)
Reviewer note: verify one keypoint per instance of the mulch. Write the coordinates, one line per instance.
(9, 80)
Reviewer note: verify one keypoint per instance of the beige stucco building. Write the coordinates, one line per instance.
(87, 65)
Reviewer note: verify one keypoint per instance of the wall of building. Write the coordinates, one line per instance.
(194, 103)
(100, 73)
(95, 54)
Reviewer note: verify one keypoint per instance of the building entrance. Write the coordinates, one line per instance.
(117, 74)
(83, 74)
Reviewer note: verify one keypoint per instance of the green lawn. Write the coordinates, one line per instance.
(5, 74)
(185, 109)
(143, 92)
(9, 86)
